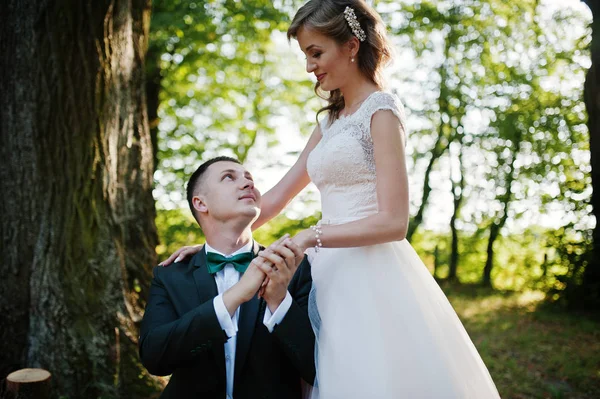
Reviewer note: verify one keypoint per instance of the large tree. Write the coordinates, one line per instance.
(591, 281)
(78, 232)
(588, 293)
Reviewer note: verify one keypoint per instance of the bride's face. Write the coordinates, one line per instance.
(326, 59)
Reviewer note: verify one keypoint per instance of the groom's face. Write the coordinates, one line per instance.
(227, 192)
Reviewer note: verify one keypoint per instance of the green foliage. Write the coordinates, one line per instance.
(534, 259)
(530, 260)
(503, 80)
(517, 71)
(222, 84)
(177, 228)
(571, 251)
(281, 225)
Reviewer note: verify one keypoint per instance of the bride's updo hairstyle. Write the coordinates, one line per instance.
(328, 18)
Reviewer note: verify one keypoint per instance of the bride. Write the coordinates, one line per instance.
(384, 328)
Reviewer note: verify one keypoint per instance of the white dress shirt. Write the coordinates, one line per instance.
(225, 279)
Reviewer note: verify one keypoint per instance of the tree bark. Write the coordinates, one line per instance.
(591, 278)
(458, 189)
(153, 86)
(78, 232)
(19, 207)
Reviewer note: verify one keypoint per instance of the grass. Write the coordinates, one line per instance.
(530, 351)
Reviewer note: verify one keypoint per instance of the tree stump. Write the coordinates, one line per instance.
(29, 384)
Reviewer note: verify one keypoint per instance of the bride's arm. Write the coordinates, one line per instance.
(274, 200)
(390, 223)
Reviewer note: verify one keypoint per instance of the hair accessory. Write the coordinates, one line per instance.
(354, 25)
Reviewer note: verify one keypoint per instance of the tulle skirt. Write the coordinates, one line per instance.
(385, 329)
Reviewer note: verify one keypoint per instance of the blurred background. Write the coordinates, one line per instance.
(500, 171)
(498, 146)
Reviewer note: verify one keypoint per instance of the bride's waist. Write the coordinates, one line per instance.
(334, 219)
(335, 213)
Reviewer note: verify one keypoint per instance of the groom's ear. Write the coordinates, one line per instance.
(199, 204)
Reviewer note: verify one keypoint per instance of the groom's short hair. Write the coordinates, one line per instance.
(196, 179)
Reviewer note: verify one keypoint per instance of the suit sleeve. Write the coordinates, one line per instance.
(294, 333)
(169, 341)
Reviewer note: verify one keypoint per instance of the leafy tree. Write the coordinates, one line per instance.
(537, 130)
(498, 63)
(219, 82)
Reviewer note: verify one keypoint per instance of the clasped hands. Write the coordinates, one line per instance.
(272, 270)
(269, 274)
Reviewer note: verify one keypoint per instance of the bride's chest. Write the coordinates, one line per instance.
(342, 156)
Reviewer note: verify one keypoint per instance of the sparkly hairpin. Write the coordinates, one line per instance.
(354, 25)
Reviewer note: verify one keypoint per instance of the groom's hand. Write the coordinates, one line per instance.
(244, 289)
(249, 283)
(285, 258)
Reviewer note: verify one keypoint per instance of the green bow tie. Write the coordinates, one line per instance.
(215, 262)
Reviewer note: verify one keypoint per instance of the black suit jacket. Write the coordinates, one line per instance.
(181, 335)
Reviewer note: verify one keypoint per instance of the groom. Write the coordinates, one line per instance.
(204, 322)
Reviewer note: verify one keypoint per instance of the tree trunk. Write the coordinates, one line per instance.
(453, 264)
(489, 262)
(153, 86)
(78, 232)
(18, 176)
(591, 278)
(458, 189)
(438, 150)
(501, 221)
(436, 261)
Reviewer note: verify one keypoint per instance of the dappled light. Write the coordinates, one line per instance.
(108, 109)
(499, 165)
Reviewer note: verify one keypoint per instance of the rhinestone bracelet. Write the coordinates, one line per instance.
(318, 234)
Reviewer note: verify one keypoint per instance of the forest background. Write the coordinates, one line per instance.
(108, 107)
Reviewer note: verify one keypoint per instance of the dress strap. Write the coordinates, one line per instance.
(385, 101)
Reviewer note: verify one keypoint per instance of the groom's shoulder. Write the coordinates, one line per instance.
(176, 268)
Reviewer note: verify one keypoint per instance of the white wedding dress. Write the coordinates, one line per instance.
(385, 330)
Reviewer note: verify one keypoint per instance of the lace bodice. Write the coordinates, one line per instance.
(342, 165)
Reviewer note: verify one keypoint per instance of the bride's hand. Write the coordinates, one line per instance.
(181, 254)
(304, 239)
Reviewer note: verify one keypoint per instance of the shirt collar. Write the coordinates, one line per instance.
(246, 248)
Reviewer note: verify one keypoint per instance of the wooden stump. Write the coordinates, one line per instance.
(29, 384)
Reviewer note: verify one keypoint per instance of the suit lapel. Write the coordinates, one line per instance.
(205, 283)
(246, 325)
(207, 289)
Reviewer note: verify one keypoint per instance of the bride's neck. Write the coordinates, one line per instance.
(357, 92)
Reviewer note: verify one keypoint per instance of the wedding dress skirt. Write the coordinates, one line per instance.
(387, 331)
